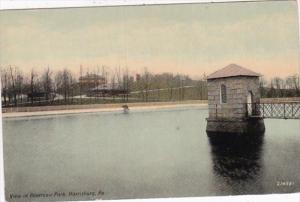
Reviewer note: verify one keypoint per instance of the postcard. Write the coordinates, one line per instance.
(150, 101)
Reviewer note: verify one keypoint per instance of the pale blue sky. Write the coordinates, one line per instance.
(186, 38)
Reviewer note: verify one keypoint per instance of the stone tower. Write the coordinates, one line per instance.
(231, 94)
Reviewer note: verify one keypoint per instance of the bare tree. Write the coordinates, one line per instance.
(170, 84)
(47, 83)
(63, 82)
(12, 74)
(262, 86)
(126, 83)
(72, 82)
(296, 83)
(113, 85)
(292, 84)
(279, 85)
(146, 83)
(4, 85)
(118, 77)
(19, 85)
(80, 84)
(104, 76)
(32, 84)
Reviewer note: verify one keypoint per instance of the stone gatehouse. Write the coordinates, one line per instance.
(229, 91)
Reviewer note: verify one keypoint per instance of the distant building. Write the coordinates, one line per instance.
(91, 80)
(107, 89)
(138, 77)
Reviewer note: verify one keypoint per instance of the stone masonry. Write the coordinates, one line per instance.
(231, 116)
(237, 89)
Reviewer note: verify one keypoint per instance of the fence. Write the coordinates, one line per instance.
(283, 110)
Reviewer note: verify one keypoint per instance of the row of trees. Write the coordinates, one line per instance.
(279, 87)
(18, 87)
(65, 85)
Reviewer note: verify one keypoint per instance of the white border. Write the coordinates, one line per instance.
(26, 4)
(21, 4)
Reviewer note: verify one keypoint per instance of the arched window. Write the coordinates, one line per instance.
(223, 94)
(249, 103)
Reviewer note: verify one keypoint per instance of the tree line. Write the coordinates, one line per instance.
(65, 87)
(17, 86)
(280, 87)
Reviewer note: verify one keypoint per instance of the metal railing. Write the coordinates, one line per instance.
(281, 110)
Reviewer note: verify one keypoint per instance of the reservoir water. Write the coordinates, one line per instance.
(144, 154)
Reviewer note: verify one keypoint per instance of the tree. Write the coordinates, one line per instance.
(125, 83)
(169, 84)
(4, 85)
(19, 85)
(262, 86)
(32, 84)
(13, 92)
(296, 84)
(63, 81)
(113, 85)
(146, 81)
(80, 84)
(118, 77)
(47, 83)
(279, 85)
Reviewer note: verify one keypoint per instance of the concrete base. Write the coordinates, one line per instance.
(233, 125)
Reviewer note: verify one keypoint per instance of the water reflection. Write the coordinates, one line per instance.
(236, 160)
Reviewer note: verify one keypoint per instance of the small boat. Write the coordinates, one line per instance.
(125, 109)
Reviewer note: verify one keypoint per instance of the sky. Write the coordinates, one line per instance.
(189, 39)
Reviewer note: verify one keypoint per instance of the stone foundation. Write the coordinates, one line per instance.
(234, 125)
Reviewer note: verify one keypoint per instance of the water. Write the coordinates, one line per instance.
(145, 154)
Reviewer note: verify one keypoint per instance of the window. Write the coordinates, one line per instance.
(223, 94)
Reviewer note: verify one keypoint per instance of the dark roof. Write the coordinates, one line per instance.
(232, 70)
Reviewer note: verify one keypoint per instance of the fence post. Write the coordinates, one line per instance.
(284, 110)
(263, 110)
(271, 109)
(216, 110)
(292, 110)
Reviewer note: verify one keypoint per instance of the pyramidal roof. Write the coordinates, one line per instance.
(232, 70)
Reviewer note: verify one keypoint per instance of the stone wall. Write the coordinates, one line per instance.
(237, 89)
(242, 126)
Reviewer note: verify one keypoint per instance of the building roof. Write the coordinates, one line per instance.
(232, 70)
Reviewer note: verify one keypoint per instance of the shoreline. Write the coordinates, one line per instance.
(78, 109)
(112, 107)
